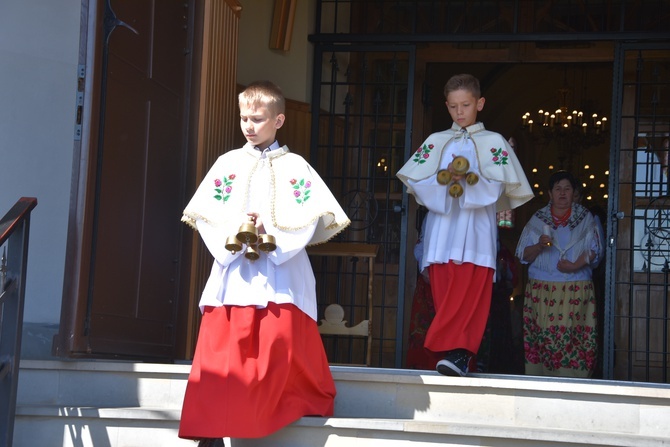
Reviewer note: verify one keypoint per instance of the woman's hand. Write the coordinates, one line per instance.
(545, 240)
(565, 266)
(531, 252)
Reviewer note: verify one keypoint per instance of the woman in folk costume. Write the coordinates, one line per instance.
(259, 362)
(460, 237)
(563, 244)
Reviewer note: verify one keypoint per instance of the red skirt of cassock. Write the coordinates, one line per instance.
(462, 299)
(254, 372)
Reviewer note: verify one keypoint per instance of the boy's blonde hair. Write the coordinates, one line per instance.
(263, 94)
(463, 82)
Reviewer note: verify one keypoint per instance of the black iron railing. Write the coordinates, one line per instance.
(14, 230)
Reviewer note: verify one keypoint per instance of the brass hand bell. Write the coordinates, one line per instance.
(460, 166)
(444, 177)
(248, 233)
(455, 190)
(251, 253)
(471, 178)
(233, 245)
(267, 243)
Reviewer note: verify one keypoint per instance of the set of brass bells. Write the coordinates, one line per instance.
(460, 165)
(248, 235)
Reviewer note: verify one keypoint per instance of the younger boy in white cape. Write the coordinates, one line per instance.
(460, 237)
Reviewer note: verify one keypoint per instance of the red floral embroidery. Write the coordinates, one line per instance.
(301, 190)
(423, 153)
(223, 188)
(500, 156)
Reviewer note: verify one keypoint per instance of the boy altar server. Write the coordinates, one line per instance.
(462, 198)
(259, 363)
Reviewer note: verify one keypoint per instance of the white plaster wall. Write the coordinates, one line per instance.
(39, 41)
(291, 70)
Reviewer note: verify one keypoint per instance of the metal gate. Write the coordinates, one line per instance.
(361, 128)
(637, 316)
(361, 116)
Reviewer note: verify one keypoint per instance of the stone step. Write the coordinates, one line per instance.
(598, 406)
(102, 384)
(347, 432)
(67, 426)
(140, 427)
(123, 404)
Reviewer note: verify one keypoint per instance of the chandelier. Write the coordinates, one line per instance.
(576, 129)
(564, 133)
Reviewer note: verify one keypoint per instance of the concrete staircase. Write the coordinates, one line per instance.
(125, 404)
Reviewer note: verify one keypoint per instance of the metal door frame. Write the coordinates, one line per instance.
(609, 348)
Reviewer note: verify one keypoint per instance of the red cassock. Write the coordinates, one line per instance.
(255, 371)
(462, 298)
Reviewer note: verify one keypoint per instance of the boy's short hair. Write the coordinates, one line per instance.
(463, 82)
(263, 93)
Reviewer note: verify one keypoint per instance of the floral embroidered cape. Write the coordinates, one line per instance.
(497, 162)
(299, 196)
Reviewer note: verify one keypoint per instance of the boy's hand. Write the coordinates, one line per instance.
(454, 176)
(258, 223)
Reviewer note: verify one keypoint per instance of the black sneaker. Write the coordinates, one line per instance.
(455, 363)
(211, 442)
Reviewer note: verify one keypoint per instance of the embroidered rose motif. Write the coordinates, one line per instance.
(301, 190)
(499, 156)
(423, 153)
(223, 188)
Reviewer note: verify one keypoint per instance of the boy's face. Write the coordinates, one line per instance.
(463, 107)
(259, 125)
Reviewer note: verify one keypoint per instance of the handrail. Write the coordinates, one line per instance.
(20, 211)
(14, 230)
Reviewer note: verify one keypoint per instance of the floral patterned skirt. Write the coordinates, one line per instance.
(560, 330)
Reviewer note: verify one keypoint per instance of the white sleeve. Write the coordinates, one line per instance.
(215, 240)
(289, 243)
(483, 193)
(432, 194)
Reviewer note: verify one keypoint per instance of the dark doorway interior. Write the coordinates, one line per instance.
(511, 90)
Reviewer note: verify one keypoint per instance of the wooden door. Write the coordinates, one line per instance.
(157, 105)
(134, 264)
(122, 283)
